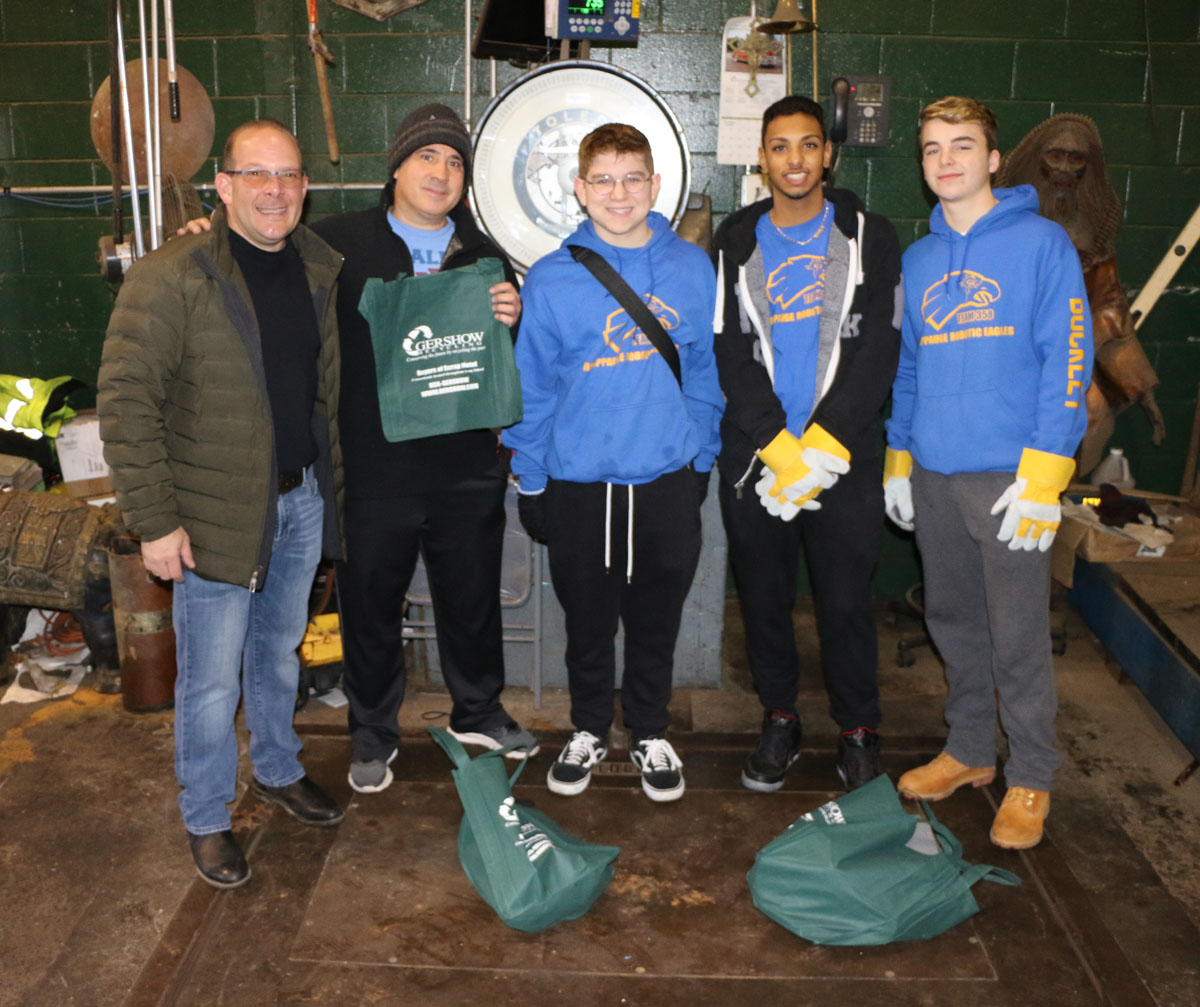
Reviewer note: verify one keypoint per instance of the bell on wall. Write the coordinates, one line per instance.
(788, 19)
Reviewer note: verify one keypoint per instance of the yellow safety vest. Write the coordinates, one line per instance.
(35, 407)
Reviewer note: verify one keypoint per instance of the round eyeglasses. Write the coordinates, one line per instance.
(257, 178)
(633, 183)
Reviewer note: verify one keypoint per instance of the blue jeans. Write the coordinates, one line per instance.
(230, 643)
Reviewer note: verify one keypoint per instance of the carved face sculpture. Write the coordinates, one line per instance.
(1068, 154)
(1064, 160)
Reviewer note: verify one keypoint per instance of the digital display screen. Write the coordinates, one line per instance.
(870, 91)
(586, 8)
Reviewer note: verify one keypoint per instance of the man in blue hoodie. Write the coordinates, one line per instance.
(614, 452)
(987, 411)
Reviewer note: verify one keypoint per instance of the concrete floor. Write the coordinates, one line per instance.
(99, 904)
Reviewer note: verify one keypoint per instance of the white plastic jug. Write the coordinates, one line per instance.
(1114, 470)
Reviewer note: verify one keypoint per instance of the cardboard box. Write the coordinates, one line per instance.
(87, 489)
(81, 457)
(1081, 534)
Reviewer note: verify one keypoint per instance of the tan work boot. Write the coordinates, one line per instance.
(941, 777)
(1018, 824)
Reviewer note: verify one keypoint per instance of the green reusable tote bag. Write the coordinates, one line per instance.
(443, 363)
(526, 868)
(861, 870)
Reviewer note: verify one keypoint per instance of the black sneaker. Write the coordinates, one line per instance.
(661, 769)
(858, 757)
(572, 770)
(778, 748)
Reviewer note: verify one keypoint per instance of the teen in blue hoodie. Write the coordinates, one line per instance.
(987, 411)
(614, 453)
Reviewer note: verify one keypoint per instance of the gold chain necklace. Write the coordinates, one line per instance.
(811, 238)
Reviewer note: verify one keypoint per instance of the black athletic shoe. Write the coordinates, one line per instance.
(858, 757)
(571, 772)
(661, 769)
(778, 748)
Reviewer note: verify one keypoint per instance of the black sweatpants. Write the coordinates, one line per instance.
(593, 594)
(841, 544)
(460, 531)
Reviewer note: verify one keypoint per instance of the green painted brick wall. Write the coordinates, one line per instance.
(1133, 65)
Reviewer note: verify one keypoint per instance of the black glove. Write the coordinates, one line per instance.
(531, 509)
(701, 486)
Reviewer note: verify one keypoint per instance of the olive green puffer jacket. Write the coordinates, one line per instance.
(184, 413)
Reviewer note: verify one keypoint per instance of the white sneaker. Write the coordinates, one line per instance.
(572, 770)
(501, 737)
(661, 769)
(373, 776)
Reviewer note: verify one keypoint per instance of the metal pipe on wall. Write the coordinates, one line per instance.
(54, 190)
(151, 202)
(114, 117)
(156, 235)
(130, 160)
(467, 64)
(816, 89)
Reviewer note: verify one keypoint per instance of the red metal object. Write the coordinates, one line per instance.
(145, 635)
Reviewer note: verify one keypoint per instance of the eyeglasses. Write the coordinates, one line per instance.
(634, 183)
(257, 178)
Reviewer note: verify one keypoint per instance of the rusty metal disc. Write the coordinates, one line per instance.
(185, 144)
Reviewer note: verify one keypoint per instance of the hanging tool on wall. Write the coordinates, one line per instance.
(172, 71)
(321, 56)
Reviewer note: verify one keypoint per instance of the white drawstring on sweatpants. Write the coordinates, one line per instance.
(608, 487)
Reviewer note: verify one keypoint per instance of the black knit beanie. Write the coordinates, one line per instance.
(432, 123)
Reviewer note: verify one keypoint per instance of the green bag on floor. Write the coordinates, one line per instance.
(526, 868)
(861, 870)
(443, 363)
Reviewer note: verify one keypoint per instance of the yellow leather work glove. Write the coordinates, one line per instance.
(1032, 503)
(803, 466)
(897, 488)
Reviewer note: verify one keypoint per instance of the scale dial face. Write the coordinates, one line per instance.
(526, 147)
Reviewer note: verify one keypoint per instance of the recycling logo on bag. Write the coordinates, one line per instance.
(421, 342)
(457, 375)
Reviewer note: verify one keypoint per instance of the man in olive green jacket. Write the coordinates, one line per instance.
(218, 411)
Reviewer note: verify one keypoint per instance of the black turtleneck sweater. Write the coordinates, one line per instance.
(287, 326)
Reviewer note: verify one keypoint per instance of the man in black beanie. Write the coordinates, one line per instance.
(443, 495)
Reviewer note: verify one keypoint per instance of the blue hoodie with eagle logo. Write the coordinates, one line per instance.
(601, 405)
(996, 351)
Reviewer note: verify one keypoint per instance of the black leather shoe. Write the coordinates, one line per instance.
(303, 800)
(219, 859)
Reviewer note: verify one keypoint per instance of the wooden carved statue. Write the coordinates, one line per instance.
(1064, 160)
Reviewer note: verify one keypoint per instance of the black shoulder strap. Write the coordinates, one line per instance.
(633, 305)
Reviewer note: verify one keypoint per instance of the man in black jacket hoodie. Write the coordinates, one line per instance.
(807, 341)
(444, 495)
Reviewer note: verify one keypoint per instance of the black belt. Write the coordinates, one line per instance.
(288, 481)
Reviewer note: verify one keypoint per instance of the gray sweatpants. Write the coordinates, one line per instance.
(987, 609)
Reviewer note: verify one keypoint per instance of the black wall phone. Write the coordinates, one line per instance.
(860, 111)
